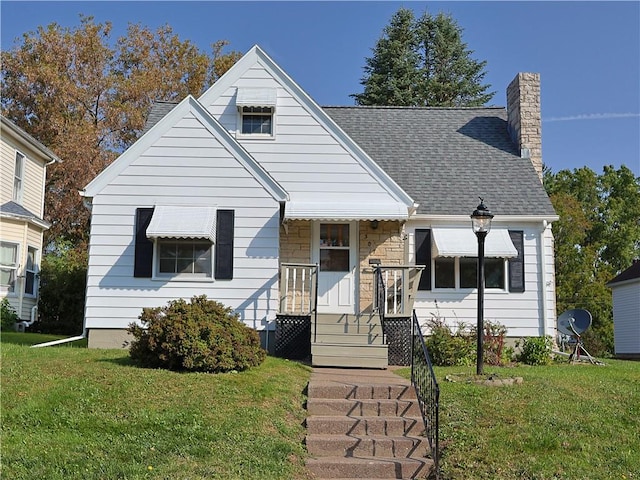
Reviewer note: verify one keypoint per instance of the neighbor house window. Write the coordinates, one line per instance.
(184, 258)
(30, 272)
(257, 120)
(17, 178)
(8, 266)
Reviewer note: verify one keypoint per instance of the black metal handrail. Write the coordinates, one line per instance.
(427, 390)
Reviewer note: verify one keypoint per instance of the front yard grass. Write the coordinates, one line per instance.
(73, 413)
(573, 422)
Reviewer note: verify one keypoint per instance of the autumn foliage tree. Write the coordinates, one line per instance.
(86, 95)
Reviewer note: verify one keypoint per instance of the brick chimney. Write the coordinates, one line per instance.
(524, 118)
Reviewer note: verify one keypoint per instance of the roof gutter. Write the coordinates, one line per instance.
(498, 218)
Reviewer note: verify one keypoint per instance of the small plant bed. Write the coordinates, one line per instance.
(490, 380)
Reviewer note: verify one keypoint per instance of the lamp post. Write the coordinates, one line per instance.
(481, 223)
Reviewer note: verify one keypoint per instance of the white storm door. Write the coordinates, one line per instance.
(335, 250)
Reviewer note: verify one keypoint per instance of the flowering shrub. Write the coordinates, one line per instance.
(202, 336)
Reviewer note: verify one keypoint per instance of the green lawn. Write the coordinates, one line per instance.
(73, 413)
(573, 422)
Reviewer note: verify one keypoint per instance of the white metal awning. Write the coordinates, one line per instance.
(256, 97)
(172, 221)
(462, 242)
(345, 211)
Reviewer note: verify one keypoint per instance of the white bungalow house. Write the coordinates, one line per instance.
(625, 289)
(313, 223)
(24, 163)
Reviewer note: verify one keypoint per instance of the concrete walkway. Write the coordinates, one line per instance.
(364, 423)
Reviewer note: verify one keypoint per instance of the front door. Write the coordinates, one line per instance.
(335, 250)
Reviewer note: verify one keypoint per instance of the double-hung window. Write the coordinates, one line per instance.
(450, 258)
(257, 121)
(184, 257)
(8, 266)
(18, 175)
(30, 272)
(256, 108)
(184, 243)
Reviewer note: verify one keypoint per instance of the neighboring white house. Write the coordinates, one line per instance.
(24, 163)
(626, 311)
(224, 193)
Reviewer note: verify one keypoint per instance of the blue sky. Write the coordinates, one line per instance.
(588, 54)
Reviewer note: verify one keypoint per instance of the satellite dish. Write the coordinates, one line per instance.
(574, 322)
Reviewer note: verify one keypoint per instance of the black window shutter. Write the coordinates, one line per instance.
(224, 244)
(516, 264)
(143, 262)
(423, 256)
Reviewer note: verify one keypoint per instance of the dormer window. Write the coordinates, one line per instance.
(256, 108)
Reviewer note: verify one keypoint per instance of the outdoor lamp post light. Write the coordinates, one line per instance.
(481, 223)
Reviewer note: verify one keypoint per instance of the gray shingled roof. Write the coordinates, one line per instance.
(158, 111)
(16, 210)
(444, 158)
(630, 273)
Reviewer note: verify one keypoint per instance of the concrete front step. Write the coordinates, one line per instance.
(348, 338)
(368, 467)
(362, 407)
(367, 445)
(373, 391)
(349, 355)
(360, 425)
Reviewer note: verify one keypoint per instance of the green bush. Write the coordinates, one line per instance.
(200, 336)
(8, 316)
(535, 350)
(63, 281)
(448, 348)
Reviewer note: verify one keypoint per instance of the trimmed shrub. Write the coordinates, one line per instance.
(8, 316)
(200, 336)
(535, 350)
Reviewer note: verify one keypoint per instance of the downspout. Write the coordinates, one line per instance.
(543, 273)
(62, 340)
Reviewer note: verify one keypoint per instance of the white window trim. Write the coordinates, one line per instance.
(18, 193)
(456, 271)
(256, 136)
(179, 277)
(4, 288)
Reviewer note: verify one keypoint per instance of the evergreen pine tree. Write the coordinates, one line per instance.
(423, 62)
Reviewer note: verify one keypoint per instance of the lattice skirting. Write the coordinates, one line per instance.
(398, 334)
(293, 336)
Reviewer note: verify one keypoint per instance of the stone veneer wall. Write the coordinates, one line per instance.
(384, 243)
(524, 116)
(295, 246)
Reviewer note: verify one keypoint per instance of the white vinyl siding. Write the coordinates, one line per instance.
(186, 166)
(626, 317)
(305, 157)
(33, 173)
(522, 313)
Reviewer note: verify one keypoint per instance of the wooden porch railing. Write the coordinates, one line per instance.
(298, 288)
(395, 289)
